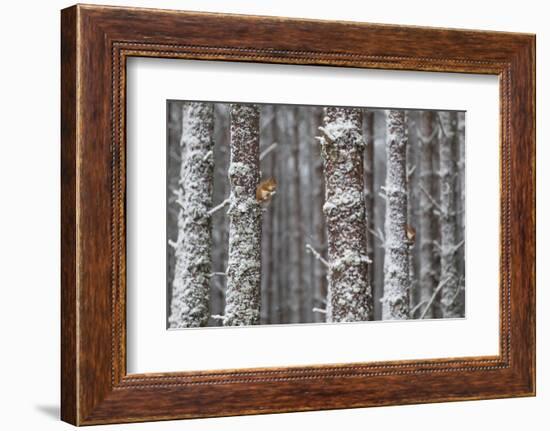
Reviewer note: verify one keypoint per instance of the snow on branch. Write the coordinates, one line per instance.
(219, 206)
(268, 150)
(317, 255)
(319, 310)
(379, 235)
(207, 156)
(417, 307)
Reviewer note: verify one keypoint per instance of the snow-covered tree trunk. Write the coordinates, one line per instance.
(191, 284)
(395, 302)
(450, 290)
(426, 141)
(245, 219)
(349, 293)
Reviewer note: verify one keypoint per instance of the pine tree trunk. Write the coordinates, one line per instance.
(282, 214)
(173, 168)
(427, 232)
(368, 133)
(219, 218)
(461, 199)
(449, 272)
(307, 141)
(412, 201)
(320, 280)
(298, 249)
(191, 284)
(379, 210)
(349, 296)
(245, 219)
(395, 302)
(269, 291)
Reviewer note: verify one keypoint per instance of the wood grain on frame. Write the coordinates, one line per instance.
(96, 41)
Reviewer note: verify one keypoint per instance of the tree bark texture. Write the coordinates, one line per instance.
(395, 302)
(298, 250)
(220, 219)
(191, 283)
(349, 295)
(173, 161)
(245, 219)
(427, 230)
(368, 162)
(450, 291)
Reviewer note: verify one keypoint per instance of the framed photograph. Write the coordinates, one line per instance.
(265, 215)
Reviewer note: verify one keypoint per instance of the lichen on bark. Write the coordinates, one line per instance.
(191, 282)
(245, 219)
(349, 295)
(395, 302)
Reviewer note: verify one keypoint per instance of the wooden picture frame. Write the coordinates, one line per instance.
(95, 43)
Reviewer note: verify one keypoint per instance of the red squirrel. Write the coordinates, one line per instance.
(265, 190)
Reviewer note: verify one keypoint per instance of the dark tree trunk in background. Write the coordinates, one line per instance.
(461, 199)
(268, 165)
(318, 218)
(283, 214)
(245, 219)
(395, 303)
(191, 284)
(173, 161)
(297, 248)
(427, 229)
(379, 210)
(350, 296)
(368, 161)
(412, 200)
(219, 218)
(307, 141)
(450, 290)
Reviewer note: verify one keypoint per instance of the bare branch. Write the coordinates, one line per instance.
(319, 310)
(327, 134)
(436, 291)
(417, 307)
(379, 236)
(410, 172)
(219, 206)
(268, 150)
(207, 156)
(430, 198)
(317, 255)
